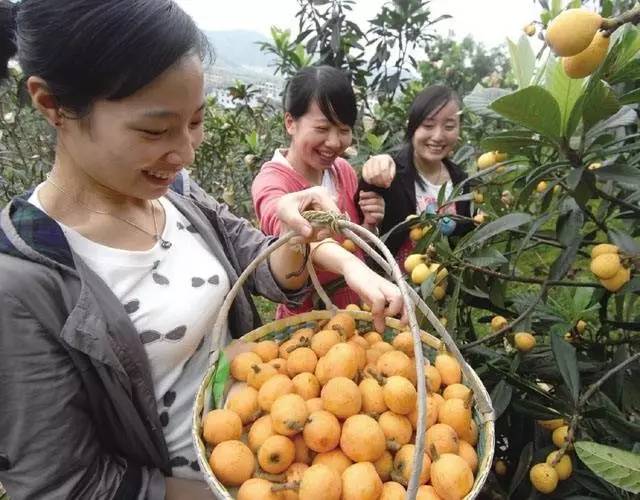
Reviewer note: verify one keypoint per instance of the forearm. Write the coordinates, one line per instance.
(328, 255)
(285, 264)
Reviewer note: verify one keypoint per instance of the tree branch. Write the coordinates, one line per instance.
(494, 337)
(595, 386)
(535, 281)
(631, 16)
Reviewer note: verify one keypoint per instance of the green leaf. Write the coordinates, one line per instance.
(497, 292)
(624, 241)
(565, 90)
(376, 142)
(570, 222)
(532, 230)
(565, 356)
(479, 100)
(501, 397)
(600, 103)
(597, 487)
(556, 7)
(512, 142)
(632, 286)
(629, 72)
(565, 260)
(505, 223)
(575, 117)
(252, 140)
(427, 286)
(535, 410)
(526, 456)
(625, 45)
(533, 108)
(619, 467)
(625, 116)
(519, 382)
(523, 60)
(623, 174)
(488, 257)
(632, 97)
(220, 378)
(582, 298)
(607, 8)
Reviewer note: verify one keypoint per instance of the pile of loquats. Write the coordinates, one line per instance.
(420, 266)
(558, 466)
(612, 268)
(331, 413)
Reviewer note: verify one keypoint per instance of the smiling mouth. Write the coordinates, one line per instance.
(159, 175)
(326, 156)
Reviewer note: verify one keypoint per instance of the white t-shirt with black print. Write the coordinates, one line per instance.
(172, 297)
(427, 193)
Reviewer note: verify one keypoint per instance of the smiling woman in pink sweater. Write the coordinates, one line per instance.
(320, 112)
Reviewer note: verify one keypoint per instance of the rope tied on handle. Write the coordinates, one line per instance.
(325, 219)
(318, 219)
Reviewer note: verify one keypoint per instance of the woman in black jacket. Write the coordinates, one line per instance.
(409, 179)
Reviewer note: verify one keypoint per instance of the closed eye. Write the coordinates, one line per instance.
(154, 133)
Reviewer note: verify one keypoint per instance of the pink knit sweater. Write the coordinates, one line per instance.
(277, 178)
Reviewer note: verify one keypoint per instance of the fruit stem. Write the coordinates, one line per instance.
(377, 376)
(630, 16)
(294, 485)
(295, 426)
(571, 432)
(468, 400)
(274, 478)
(304, 342)
(398, 478)
(392, 445)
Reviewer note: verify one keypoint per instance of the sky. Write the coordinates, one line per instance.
(488, 21)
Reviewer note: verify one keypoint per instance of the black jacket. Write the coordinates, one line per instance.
(400, 197)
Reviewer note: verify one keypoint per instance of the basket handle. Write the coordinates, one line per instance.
(338, 223)
(480, 395)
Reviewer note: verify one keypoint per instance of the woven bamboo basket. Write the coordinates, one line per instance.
(426, 347)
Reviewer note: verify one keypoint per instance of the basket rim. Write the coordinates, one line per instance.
(487, 420)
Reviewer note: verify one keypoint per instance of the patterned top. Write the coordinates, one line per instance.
(172, 297)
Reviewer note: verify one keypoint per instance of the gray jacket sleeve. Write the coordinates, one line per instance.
(247, 242)
(48, 442)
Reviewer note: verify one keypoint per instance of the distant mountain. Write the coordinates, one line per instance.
(239, 50)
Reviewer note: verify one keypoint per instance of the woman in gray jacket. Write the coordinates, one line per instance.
(112, 270)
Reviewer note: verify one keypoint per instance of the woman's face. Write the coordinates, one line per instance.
(437, 135)
(137, 145)
(315, 140)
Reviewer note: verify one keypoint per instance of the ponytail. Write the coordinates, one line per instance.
(8, 47)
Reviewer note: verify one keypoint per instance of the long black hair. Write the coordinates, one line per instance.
(96, 49)
(326, 85)
(428, 102)
(8, 12)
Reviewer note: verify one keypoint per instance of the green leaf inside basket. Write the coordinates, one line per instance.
(219, 381)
